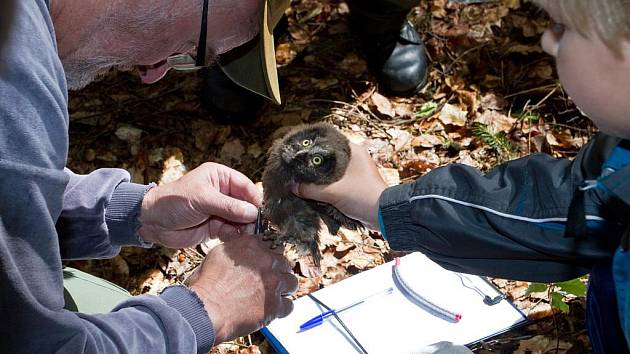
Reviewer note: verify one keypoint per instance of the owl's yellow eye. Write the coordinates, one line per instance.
(306, 142)
(317, 160)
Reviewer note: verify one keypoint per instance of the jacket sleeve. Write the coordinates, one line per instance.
(508, 223)
(99, 214)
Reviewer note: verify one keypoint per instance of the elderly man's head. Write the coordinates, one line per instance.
(95, 35)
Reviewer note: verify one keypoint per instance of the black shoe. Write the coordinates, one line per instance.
(227, 102)
(400, 64)
(394, 50)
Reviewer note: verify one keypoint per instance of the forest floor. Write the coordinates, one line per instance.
(492, 95)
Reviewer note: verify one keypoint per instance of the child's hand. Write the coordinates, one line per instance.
(356, 194)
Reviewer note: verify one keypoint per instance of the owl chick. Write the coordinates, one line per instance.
(316, 153)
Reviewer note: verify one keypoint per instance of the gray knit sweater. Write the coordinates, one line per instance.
(47, 214)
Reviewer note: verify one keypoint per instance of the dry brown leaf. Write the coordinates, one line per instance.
(404, 109)
(208, 244)
(541, 71)
(383, 105)
(129, 134)
(323, 84)
(154, 282)
(343, 247)
(252, 349)
(539, 311)
(326, 238)
(419, 166)
(355, 137)
(307, 269)
(551, 139)
(255, 150)
(285, 53)
(426, 140)
(390, 175)
(232, 150)
(453, 115)
(358, 259)
(174, 168)
(492, 101)
(107, 156)
(541, 345)
(353, 65)
(350, 235)
(524, 48)
(496, 121)
(400, 138)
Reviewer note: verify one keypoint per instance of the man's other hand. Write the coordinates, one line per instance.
(243, 285)
(210, 201)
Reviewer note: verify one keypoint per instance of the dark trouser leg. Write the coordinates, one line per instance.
(602, 319)
(394, 49)
(380, 16)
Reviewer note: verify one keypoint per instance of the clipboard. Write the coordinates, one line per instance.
(394, 323)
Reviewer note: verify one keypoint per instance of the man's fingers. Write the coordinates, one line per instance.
(228, 208)
(280, 264)
(289, 284)
(247, 229)
(243, 188)
(286, 307)
(222, 230)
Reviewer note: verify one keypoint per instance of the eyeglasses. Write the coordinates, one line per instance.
(186, 62)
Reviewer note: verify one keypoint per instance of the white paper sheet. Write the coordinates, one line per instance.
(391, 323)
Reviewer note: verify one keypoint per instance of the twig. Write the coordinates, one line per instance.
(126, 105)
(569, 127)
(466, 52)
(531, 90)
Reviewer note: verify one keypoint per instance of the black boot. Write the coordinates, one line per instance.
(394, 49)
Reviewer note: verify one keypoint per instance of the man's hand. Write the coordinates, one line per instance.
(243, 284)
(356, 194)
(209, 201)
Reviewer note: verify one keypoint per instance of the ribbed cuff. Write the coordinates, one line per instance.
(394, 216)
(188, 304)
(122, 214)
(380, 224)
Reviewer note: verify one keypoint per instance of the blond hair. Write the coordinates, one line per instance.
(610, 19)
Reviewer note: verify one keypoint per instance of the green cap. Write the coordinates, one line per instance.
(253, 65)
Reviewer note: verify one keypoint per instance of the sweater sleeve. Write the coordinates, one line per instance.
(99, 214)
(508, 223)
(37, 194)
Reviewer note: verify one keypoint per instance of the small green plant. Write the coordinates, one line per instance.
(498, 141)
(529, 116)
(427, 109)
(557, 291)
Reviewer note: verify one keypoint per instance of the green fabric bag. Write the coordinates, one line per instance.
(86, 293)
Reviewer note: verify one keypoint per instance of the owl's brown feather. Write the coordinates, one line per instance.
(316, 153)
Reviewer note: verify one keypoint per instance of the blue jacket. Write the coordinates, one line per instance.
(511, 222)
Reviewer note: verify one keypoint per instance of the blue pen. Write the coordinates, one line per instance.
(319, 319)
